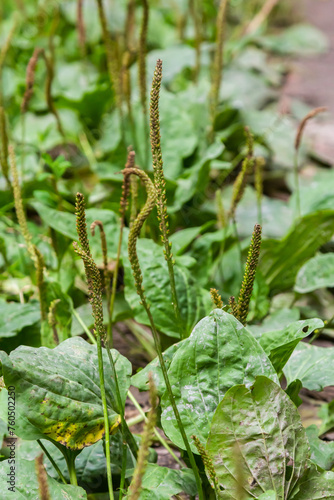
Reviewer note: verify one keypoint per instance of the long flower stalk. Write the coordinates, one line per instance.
(160, 186)
(137, 274)
(123, 205)
(258, 171)
(95, 289)
(106, 272)
(94, 286)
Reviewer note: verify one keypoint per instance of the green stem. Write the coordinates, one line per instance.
(114, 283)
(122, 482)
(159, 437)
(55, 466)
(70, 460)
(171, 397)
(127, 435)
(105, 414)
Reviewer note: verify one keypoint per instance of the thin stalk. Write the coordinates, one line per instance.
(95, 287)
(127, 435)
(158, 436)
(106, 272)
(134, 420)
(261, 16)
(55, 466)
(259, 164)
(105, 415)
(123, 471)
(134, 261)
(172, 400)
(160, 187)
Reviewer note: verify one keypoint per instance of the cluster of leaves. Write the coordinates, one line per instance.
(219, 377)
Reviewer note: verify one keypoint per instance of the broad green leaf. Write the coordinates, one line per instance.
(277, 320)
(58, 392)
(245, 89)
(63, 222)
(140, 379)
(281, 260)
(41, 130)
(316, 273)
(73, 80)
(268, 495)
(316, 484)
(312, 365)
(111, 133)
(322, 452)
(280, 344)
(161, 483)
(27, 486)
(259, 431)
(174, 58)
(219, 354)
(299, 39)
(14, 316)
(193, 300)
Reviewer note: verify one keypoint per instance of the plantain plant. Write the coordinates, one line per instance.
(88, 320)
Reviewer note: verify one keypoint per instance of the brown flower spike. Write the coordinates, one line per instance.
(249, 276)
